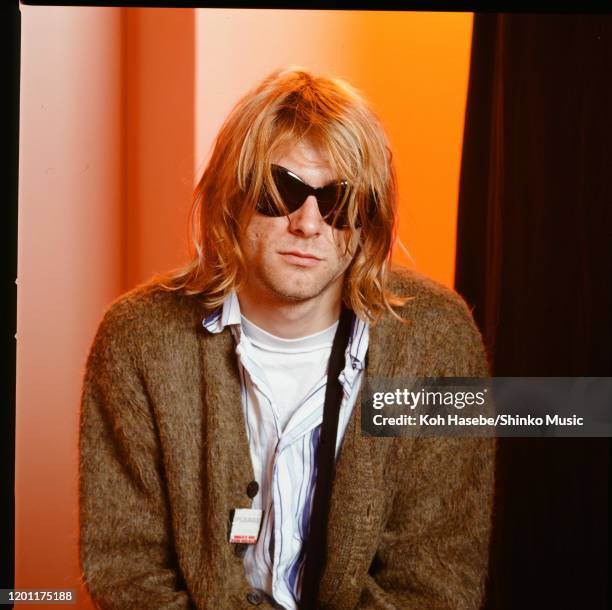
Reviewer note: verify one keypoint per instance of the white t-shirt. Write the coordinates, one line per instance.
(292, 366)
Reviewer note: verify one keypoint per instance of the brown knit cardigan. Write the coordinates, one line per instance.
(164, 457)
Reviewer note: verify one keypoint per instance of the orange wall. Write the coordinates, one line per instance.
(118, 106)
(69, 265)
(158, 87)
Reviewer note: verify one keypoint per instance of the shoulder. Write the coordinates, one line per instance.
(427, 298)
(146, 312)
(438, 326)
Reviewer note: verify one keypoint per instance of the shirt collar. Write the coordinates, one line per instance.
(358, 343)
(226, 315)
(229, 315)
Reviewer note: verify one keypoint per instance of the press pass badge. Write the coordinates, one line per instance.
(245, 525)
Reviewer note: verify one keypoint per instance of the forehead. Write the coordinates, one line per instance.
(305, 159)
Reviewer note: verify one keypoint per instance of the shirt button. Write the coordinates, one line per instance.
(254, 597)
(252, 489)
(240, 549)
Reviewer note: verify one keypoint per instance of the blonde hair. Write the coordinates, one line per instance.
(287, 106)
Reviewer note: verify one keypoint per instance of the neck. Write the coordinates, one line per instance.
(290, 319)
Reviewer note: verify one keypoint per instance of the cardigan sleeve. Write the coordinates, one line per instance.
(433, 553)
(125, 545)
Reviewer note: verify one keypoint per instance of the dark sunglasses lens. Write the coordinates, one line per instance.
(291, 190)
(267, 206)
(332, 206)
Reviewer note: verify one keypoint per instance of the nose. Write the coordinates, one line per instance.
(306, 221)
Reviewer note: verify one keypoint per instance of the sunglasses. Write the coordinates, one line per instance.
(294, 191)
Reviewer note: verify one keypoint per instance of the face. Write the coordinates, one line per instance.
(298, 257)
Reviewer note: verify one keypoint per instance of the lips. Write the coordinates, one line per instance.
(299, 258)
(301, 254)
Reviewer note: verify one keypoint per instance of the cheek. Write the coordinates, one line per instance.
(256, 229)
(250, 241)
(262, 233)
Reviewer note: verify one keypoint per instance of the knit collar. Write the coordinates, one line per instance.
(229, 315)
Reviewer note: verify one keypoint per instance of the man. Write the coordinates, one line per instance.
(203, 475)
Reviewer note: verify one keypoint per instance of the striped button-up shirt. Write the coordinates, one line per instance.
(284, 460)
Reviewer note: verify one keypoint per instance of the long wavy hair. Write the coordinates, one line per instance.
(287, 106)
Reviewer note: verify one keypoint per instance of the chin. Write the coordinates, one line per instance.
(300, 289)
(303, 294)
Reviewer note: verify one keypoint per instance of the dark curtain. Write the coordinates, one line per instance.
(533, 261)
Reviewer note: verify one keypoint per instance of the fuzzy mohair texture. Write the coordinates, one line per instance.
(164, 457)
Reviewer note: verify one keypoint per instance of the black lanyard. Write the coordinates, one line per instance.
(326, 466)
